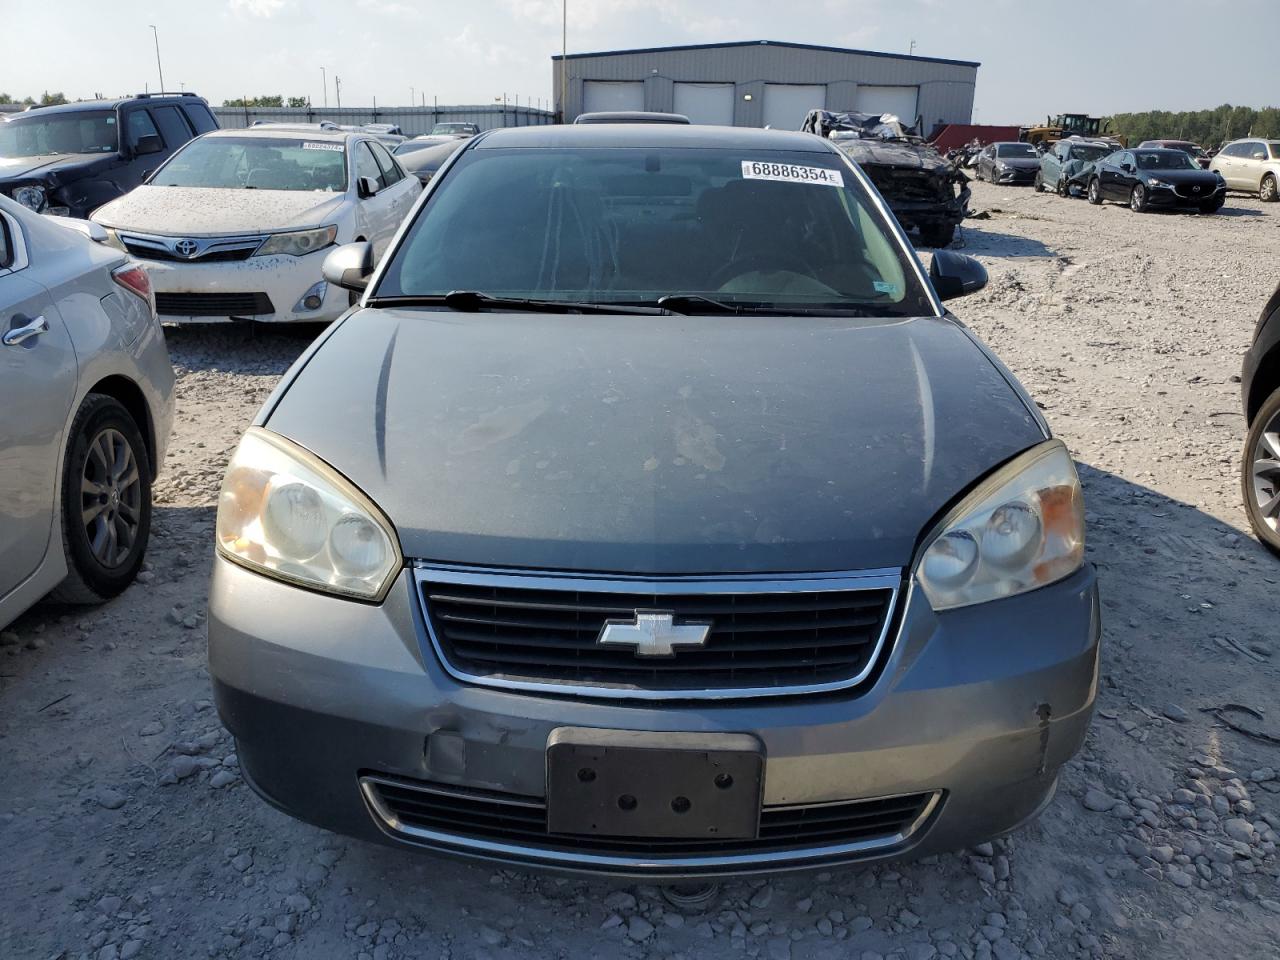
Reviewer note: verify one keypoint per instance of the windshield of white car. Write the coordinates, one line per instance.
(89, 131)
(1017, 151)
(257, 163)
(768, 230)
(450, 128)
(1165, 160)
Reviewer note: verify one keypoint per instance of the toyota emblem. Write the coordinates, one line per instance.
(186, 248)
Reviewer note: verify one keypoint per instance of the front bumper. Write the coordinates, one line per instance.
(280, 280)
(1016, 175)
(977, 707)
(1171, 197)
(926, 213)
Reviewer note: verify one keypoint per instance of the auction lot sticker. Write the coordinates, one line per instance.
(335, 147)
(790, 173)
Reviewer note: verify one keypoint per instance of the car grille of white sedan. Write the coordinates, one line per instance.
(194, 250)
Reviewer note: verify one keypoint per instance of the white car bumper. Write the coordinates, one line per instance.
(267, 289)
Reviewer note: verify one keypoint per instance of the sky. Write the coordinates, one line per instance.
(1036, 59)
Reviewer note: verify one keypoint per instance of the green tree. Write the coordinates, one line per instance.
(48, 99)
(275, 101)
(299, 102)
(5, 98)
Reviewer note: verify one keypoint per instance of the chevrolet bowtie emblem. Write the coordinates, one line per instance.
(653, 633)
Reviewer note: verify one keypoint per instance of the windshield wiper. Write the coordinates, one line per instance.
(693, 303)
(472, 301)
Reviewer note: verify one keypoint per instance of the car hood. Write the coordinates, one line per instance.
(208, 211)
(893, 153)
(1206, 178)
(655, 445)
(14, 168)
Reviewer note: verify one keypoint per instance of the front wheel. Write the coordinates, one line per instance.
(1063, 189)
(1138, 198)
(1038, 183)
(1095, 192)
(1269, 192)
(1260, 474)
(106, 502)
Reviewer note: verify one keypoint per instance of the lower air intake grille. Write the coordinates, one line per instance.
(213, 304)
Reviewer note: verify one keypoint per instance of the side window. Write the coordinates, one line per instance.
(1235, 149)
(6, 246)
(199, 117)
(1257, 151)
(173, 127)
(391, 172)
(138, 124)
(366, 166)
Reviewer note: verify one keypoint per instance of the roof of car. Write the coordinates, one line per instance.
(652, 135)
(292, 131)
(108, 104)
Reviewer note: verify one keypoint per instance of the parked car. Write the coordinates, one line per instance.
(1193, 150)
(651, 516)
(1260, 392)
(1008, 162)
(236, 225)
(1251, 165)
(424, 160)
(630, 116)
(72, 158)
(1068, 164)
(1156, 178)
(925, 190)
(86, 391)
(454, 129)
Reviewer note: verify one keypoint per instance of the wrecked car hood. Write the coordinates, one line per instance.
(210, 211)
(654, 444)
(12, 168)
(890, 153)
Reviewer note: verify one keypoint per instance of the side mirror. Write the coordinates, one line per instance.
(366, 187)
(148, 144)
(349, 266)
(955, 275)
(1127, 167)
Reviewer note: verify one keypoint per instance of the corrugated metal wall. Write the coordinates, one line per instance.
(946, 89)
(412, 120)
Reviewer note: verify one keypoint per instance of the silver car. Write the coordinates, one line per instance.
(86, 403)
(1251, 165)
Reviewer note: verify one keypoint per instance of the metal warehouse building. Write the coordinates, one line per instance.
(762, 83)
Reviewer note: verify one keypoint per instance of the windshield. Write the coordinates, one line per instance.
(257, 163)
(60, 133)
(1023, 150)
(631, 225)
(1089, 153)
(451, 128)
(1165, 160)
(1275, 150)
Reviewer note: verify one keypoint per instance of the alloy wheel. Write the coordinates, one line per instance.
(111, 498)
(1266, 474)
(1138, 199)
(1268, 192)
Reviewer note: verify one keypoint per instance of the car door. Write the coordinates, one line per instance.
(37, 386)
(403, 188)
(1051, 163)
(1252, 165)
(984, 162)
(377, 212)
(1115, 182)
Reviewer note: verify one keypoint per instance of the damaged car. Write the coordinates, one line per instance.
(652, 516)
(1066, 166)
(926, 191)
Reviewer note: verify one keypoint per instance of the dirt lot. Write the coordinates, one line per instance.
(126, 830)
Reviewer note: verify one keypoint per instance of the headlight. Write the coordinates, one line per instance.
(285, 513)
(32, 197)
(1157, 182)
(113, 240)
(1022, 528)
(1001, 165)
(298, 243)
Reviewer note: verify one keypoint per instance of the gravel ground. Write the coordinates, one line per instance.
(126, 830)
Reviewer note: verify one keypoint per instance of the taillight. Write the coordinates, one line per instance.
(135, 279)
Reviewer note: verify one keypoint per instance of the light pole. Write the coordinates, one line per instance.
(337, 89)
(324, 82)
(564, 61)
(412, 98)
(912, 50)
(159, 69)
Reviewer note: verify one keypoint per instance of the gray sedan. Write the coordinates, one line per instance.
(86, 403)
(651, 516)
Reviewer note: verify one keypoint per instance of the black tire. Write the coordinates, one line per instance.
(1269, 191)
(1266, 529)
(1063, 188)
(938, 235)
(1138, 198)
(106, 467)
(1095, 192)
(1038, 183)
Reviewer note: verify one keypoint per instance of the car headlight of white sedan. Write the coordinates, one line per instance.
(287, 514)
(32, 197)
(1020, 529)
(297, 243)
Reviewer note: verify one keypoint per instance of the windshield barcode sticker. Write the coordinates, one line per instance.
(336, 147)
(791, 173)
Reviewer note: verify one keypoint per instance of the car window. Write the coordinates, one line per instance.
(1165, 160)
(173, 126)
(1257, 151)
(138, 124)
(1275, 150)
(199, 117)
(36, 135)
(633, 224)
(391, 172)
(6, 245)
(257, 163)
(1023, 151)
(1235, 149)
(366, 165)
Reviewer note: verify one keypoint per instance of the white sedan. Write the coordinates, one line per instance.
(237, 223)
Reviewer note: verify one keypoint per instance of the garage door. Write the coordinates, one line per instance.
(787, 104)
(612, 95)
(900, 101)
(706, 102)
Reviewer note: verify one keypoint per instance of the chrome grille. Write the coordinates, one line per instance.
(449, 814)
(767, 637)
(207, 249)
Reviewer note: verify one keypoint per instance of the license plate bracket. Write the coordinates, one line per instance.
(620, 783)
